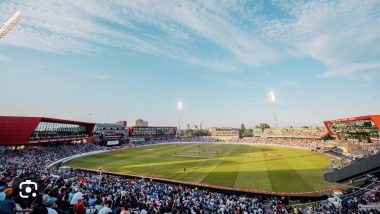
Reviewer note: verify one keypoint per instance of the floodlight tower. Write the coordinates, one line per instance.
(179, 107)
(272, 99)
(10, 23)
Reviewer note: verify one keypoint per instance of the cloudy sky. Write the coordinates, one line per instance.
(100, 60)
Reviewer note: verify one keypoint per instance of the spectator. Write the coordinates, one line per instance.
(7, 206)
(65, 190)
(79, 207)
(106, 209)
(51, 205)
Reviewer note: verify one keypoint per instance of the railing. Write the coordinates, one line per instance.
(311, 204)
(369, 188)
(49, 137)
(374, 206)
(63, 160)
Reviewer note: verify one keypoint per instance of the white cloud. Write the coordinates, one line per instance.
(354, 69)
(88, 27)
(4, 58)
(336, 33)
(211, 21)
(342, 33)
(215, 34)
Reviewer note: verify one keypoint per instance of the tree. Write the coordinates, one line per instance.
(262, 126)
(242, 130)
(242, 127)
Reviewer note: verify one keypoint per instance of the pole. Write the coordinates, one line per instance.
(179, 124)
(274, 113)
(179, 106)
(100, 176)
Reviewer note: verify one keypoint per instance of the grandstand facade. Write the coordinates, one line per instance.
(225, 133)
(15, 130)
(356, 129)
(296, 133)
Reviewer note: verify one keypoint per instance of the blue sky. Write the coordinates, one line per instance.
(104, 61)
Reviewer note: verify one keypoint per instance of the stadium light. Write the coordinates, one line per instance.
(9, 24)
(272, 99)
(180, 105)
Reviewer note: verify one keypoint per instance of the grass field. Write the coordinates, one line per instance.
(258, 167)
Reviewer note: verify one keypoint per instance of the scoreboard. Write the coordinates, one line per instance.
(152, 132)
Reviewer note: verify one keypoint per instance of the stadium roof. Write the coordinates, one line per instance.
(16, 130)
(374, 118)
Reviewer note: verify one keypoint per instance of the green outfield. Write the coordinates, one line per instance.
(244, 166)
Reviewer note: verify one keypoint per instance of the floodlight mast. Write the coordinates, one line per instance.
(179, 107)
(272, 99)
(9, 24)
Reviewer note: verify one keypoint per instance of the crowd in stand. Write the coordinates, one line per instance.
(86, 192)
(204, 139)
(364, 152)
(326, 146)
(311, 133)
(364, 201)
(311, 144)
